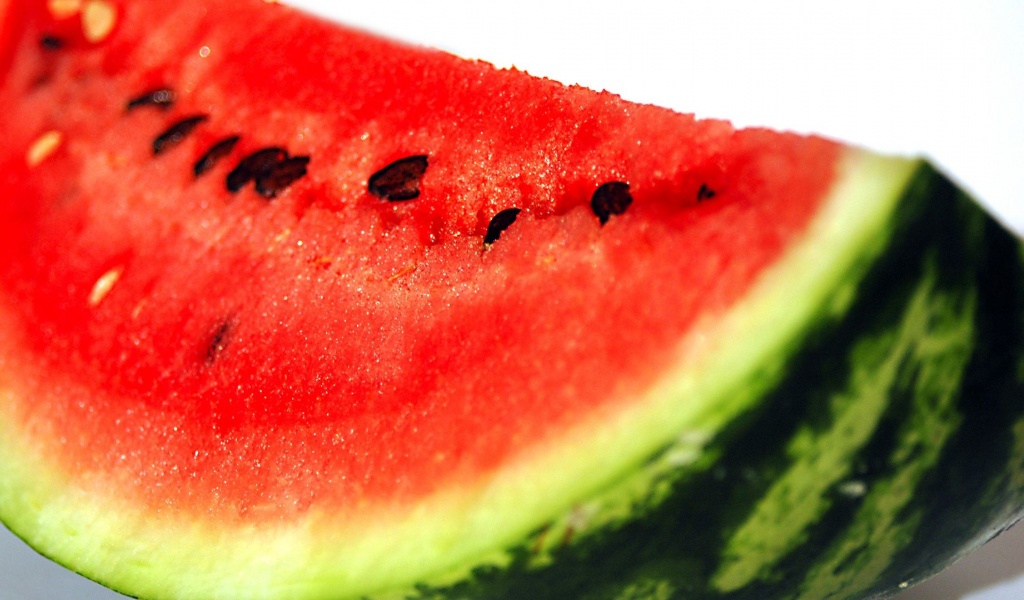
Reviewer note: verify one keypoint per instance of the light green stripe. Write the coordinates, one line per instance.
(929, 350)
(880, 524)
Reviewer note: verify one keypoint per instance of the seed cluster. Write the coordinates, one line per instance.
(271, 170)
(400, 181)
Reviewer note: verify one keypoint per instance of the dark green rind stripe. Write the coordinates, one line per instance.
(977, 488)
(971, 488)
(871, 495)
(913, 368)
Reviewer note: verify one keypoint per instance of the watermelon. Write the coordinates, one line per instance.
(292, 311)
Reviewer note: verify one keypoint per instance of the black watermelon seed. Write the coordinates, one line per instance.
(254, 166)
(499, 223)
(214, 154)
(705, 193)
(162, 98)
(51, 42)
(217, 342)
(281, 175)
(612, 198)
(175, 133)
(400, 180)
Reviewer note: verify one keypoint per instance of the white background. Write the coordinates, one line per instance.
(938, 78)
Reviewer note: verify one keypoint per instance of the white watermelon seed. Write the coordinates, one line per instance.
(63, 9)
(138, 308)
(98, 20)
(43, 147)
(103, 285)
(853, 489)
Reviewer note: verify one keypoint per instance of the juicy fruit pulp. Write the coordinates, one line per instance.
(360, 309)
(291, 310)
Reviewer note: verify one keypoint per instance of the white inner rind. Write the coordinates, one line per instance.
(86, 525)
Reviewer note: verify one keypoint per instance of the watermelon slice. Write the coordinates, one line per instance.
(292, 311)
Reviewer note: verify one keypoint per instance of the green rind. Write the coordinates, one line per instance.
(893, 445)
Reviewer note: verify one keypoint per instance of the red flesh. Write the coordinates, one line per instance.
(373, 351)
